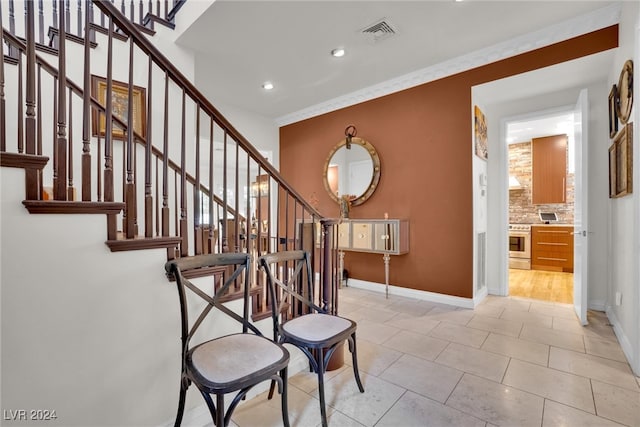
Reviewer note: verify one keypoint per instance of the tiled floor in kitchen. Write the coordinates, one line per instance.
(509, 362)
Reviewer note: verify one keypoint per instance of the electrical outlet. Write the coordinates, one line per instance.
(618, 298)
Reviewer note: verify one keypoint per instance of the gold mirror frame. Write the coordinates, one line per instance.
(375, 159)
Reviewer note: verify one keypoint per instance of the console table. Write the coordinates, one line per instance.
(383, 236)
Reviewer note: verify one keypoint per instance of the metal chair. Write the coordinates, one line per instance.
(230, 363)
(298, 321)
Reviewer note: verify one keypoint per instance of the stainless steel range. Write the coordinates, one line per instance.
(520, 246)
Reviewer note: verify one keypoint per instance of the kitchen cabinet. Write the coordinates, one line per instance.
(549, 170)
(552, 248)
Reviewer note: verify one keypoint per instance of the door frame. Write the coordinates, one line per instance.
(504, 182)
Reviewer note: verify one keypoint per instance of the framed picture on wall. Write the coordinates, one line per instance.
(613, 111)
(120, 107)
(621, 163)
(480, 133)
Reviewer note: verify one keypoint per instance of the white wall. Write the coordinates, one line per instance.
(624, 213)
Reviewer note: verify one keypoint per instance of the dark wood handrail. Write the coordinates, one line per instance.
(145, 45)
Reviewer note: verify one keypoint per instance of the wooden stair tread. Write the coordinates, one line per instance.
(121, 243)
(72, 207)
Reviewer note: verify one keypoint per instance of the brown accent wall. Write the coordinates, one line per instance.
(424, 138)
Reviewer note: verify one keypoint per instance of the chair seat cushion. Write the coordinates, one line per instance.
(317, 327)
(233, 357)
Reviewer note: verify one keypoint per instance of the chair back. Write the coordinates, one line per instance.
(290, 285)
(237, 269)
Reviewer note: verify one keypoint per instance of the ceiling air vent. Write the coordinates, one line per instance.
(381, 30)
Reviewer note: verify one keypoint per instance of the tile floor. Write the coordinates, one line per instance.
(509, 362)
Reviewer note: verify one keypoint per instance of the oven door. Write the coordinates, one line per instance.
(519, 244)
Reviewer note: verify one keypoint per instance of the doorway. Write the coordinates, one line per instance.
(529, 276)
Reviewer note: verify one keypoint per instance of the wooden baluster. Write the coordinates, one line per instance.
(99, 163)
(12, 28)
(132, 11)
(148, 198)
(79, 18)
(165, 161)
(108, 140)
(31, 175)
(150, 7)
(3, 118)
(101, 17)
(39, 114)
(166, 9)
(184, 246)
(158, 8)
(122, 8)
(140, 12)
(70, 149)
(197, 193)
(157, 187)
(20, 106)
(236, 206)
(130, 190)
(54, 106)
(40, 23)
(59, 192)
(212, 225)
(67, 12)
(225, 206)
(86, 110)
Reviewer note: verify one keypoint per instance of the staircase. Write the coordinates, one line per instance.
(180, 181)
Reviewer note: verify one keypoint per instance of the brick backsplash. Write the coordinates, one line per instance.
(521, 211)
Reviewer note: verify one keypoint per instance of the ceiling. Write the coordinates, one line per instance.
(241, 44)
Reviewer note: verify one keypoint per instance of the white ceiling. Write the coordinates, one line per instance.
(240, 44)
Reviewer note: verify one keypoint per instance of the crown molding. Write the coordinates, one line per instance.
(574, 27)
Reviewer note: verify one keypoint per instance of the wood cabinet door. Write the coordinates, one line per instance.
(549, 169)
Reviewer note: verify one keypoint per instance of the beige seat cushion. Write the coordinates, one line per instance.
(316, 327)
(233, 357)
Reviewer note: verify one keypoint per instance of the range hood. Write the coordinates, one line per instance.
(514, 184)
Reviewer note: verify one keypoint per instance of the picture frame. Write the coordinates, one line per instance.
(621, 163)
(480, 133)
(120, 98)
(613, 111)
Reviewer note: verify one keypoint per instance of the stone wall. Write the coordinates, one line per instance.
(521, 211)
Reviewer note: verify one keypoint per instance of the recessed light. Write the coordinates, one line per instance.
(338, 52)
(267, 85)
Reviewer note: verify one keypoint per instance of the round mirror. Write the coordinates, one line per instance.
(352, 170)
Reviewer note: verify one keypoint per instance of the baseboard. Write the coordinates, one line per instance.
(597, 305)
(625, 344)
(413, 293)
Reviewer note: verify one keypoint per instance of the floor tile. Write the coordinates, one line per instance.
(478, 362)
(416, 344)
(586, 365)
(419, 324)
(308, 381)
(367, 408)
(411, 307)
(373, 314)
(338, 419)
(460, 334)
(304, 410)
(520, 349)
(492, 324)
(508, 303)
(616, 403)
(496, 403)
(557, 414)
(572, 390)
(603, 348)
(528, 318)
(553, 337)
(554, 310)
(374, 331)
(423, 377)
(460, 317)
(372, 358)
(488, 310)
(415, 410)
